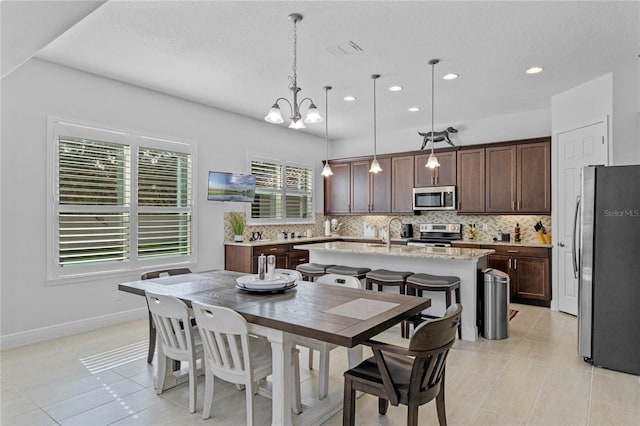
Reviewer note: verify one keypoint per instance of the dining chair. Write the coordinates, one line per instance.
(410, 376)
(178, 340)
(291, 272)
(152, 328)
(233, 355)
(325, 348)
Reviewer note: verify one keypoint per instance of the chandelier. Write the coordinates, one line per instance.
(375, 166)
(275, 115)
(326, 170)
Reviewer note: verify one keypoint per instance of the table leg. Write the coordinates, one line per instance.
(281, 344)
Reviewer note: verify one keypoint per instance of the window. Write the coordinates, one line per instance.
(121, 201)
(284, 192)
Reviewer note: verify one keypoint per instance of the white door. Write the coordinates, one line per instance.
(574, 149)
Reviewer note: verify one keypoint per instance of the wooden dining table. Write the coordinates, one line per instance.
(334, 314)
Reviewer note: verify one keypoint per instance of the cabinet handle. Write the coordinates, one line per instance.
(513, 251)
(273, 249)
(302, 259)
(509, 263)
(433, 178)
(519, 204)
(515, 263)
(513, 203)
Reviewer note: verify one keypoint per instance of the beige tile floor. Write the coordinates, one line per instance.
(535, 377)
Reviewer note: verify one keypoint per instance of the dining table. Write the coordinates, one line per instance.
(335, 314)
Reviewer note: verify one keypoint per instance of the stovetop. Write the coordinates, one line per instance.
(438, 233)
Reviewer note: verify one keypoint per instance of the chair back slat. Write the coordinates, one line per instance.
(171, 316)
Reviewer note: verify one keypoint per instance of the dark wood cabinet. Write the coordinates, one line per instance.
(337, 189)
(533, 178)
(529, 272)
(518, 178)
(245, 258)
(470, 178)
(445, 175)
(360, 200)
(380, 187)
(402, 174)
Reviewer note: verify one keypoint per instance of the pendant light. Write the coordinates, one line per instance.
(432, 161)
(326, 170)
(375, 166)
(275, 115)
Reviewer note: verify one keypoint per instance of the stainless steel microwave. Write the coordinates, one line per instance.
(434, 198)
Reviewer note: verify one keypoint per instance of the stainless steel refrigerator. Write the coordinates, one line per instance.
(607, 259)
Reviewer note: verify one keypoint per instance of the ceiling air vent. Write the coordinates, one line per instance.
(344, 49)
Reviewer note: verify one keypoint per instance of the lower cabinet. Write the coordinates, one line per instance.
(529, 272)
(245, 258)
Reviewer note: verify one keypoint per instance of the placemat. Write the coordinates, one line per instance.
(361, 309)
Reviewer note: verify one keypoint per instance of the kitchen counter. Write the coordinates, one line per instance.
(487, 242)
(305, 240)
(464, 263)
(379, 249)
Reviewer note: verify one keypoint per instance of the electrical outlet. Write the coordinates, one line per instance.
(485, 227)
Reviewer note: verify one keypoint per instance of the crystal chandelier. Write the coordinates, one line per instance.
(275, 115)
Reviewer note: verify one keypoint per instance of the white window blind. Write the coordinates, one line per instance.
(120, 200)
(284, 192)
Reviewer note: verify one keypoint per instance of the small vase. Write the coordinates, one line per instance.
(238, 238)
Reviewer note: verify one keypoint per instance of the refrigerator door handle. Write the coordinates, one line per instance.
(574, 249)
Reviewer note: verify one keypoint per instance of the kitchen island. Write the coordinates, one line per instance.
(461, 262)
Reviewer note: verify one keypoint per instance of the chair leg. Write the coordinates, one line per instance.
(440, 407)
(349, 403)
(412, 414)
(152, 339)
(193, 384)
(249, 391)
(296, 399)
(310, 359)
(460, 324)
(161, 370)
(208, 394)
(383, 405)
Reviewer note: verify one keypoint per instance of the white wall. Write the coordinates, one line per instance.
(33, 309)
(529, 124)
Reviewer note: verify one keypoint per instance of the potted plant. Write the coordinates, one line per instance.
(237, 225)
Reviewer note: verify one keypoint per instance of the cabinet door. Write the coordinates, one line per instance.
(503, 263)
(402, 184)
(531, 276)
(534, 178)
(444, 175)
(501, 179)
(470, 178)
(337, 189)
(297, 257)
(380, 188)
(360, 186)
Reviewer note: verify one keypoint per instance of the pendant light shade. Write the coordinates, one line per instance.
(375, 166)
(275, 115)
(326, 170)
(432, 161)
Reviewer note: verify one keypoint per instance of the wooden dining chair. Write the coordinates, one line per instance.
(177, 341)
(235, 356)
(410, 376)
(152, 328)
(325, 348)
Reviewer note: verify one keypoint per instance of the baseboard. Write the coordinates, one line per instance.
(66, 329)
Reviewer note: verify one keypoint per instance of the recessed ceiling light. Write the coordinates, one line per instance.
(414, 109)
(450, 76)
(534, 70)
(349, 98)
(395, 88)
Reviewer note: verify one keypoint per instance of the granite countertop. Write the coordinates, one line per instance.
(378, 249)
(305, 240)
(504, 243)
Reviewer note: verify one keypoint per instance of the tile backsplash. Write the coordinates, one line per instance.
(353, 226)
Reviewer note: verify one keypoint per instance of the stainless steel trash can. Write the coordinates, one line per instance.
(496, 304)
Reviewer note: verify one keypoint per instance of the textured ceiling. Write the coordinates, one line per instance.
(237, 55)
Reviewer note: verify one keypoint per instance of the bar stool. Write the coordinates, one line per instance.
(384, 277)
(418, 283)
(310, 271)
(357, 272)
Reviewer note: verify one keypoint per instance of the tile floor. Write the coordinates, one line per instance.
(533, 378)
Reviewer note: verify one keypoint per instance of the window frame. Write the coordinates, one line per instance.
(133, 139)
(283, 220)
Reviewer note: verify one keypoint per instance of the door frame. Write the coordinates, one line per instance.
(555, 214)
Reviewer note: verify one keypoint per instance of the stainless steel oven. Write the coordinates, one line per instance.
(434, 198)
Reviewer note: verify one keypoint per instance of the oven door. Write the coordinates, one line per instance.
(434, 198)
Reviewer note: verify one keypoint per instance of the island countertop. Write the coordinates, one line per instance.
(377, 249)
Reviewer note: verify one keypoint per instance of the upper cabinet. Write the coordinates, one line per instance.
(445, 175)
(518, 178)
(402, 184)
(471, 189)
(370, 192)
(337, 189)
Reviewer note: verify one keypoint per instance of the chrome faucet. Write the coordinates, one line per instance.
(389, 230)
